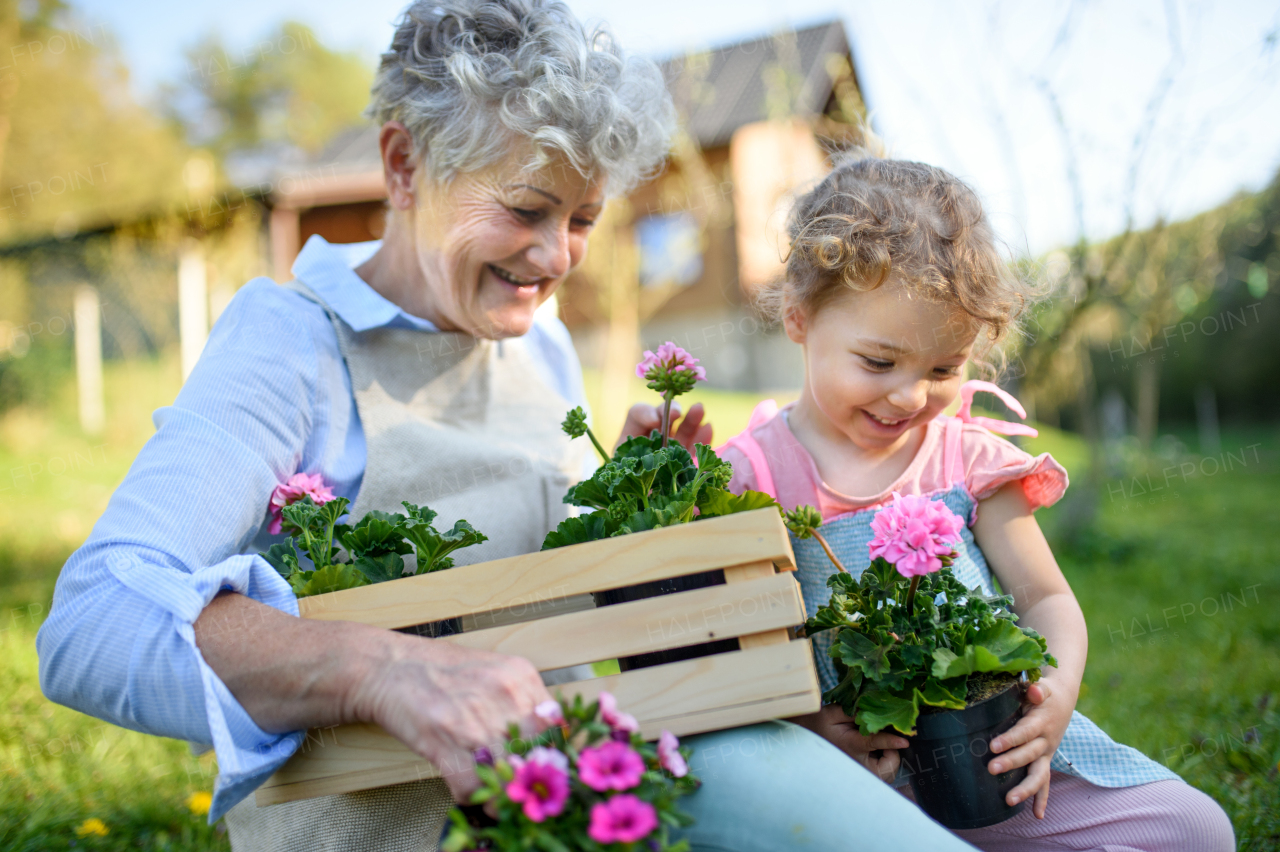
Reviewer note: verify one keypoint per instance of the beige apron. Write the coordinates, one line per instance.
(469, 428)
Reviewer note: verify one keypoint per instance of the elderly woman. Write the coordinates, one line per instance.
(419, 371)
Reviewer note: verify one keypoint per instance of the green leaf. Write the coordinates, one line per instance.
(592, 527)
(1001, 647)
(858, 652)
(376, 534)
(950, 695)
(717, 470)
(878, 710)
(417, 514)
(715, 502)
(283, 557)
(433, 547)
(380, 569)
(333, 578)
(590, 493)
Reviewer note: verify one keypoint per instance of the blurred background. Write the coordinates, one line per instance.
(152, 161)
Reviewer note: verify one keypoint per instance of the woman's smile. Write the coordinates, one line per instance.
(524, 288)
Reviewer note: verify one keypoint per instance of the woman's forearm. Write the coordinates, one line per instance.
(288, 673)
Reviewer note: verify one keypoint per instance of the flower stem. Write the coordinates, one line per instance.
(911, 594)
(599, 449)
(666, 415)
(830, 554)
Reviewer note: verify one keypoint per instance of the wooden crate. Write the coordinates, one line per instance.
(536, 606)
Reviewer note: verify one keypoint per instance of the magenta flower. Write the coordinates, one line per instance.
(912, 533)
(541, 783)
(549, 711)
(622, 819)
(614, 719)
(669, 358)
(610, 766)
(298, 486)
(669, 756)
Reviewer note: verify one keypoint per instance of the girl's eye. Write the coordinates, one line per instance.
(876, 363)
(946, 372)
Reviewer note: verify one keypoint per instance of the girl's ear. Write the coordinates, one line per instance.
(796, 322)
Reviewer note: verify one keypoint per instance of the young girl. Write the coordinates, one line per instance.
(893, 285)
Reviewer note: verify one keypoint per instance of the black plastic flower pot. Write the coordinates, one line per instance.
(667, 587)
(946, 762)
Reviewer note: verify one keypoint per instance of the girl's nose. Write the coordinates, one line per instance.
(909, 397)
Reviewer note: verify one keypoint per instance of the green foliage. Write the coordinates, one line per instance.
(802, 521)
(567, 831)
(645, 486)
(891, 663)
(374, 547)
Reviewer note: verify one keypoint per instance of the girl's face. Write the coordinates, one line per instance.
(880, 363)
(495, 244)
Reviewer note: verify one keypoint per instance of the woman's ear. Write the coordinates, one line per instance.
(399, 165)
(796, 322)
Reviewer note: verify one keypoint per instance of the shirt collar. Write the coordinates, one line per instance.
(328, 269)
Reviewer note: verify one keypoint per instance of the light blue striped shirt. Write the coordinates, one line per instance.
(270, 396)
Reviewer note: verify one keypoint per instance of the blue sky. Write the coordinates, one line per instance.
(967, 86)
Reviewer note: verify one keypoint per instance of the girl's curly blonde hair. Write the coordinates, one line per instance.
(875, 220)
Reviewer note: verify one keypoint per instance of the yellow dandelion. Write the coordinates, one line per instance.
(93, 826)
(199, 803)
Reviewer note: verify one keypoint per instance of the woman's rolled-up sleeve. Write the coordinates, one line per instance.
(119, 642)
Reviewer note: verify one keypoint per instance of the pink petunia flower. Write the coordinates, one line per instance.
(672, 358)
(614, 719)
(610, 766)
(912, 533)
(622, 819)
(541, 782)
(298, 486)
(669, 756)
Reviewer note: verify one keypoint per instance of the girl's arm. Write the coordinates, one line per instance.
(1016, 551)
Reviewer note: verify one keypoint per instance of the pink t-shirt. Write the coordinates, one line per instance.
(989, 463)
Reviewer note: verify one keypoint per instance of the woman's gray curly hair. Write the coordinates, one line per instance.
(466, 76)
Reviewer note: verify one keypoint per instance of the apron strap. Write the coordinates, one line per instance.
(952, 451)
(750, 447)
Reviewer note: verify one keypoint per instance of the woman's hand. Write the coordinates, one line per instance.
(1047, 707)
(441, 700)
(643, 419)
(446, 701)
(877, 752)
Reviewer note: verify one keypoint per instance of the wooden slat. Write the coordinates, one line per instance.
(653, 624)
(750, 571)
(522, 581)
(693, 696)
(745, 573)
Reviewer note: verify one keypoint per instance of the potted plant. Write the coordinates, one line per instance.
(588, 783)
(650, 482)
(941, 664)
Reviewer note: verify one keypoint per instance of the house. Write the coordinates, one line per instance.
(758, 118)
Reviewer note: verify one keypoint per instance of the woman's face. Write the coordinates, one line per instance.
(493, 245)
(880, 363)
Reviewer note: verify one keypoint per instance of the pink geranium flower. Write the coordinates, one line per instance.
(550, 712)
(622, 819)
(298, 486)
(541, 783)
(614, 719)
(670, 358)
(610, 766)
(669, 756)
(912, 533)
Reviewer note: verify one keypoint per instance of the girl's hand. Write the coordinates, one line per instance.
(1032, 741)
(877, 752)
(643, 419)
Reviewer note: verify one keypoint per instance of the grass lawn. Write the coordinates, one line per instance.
(1179, 585)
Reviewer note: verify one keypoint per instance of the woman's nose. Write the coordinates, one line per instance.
(550, 252)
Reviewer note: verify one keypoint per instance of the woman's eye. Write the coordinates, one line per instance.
(530, 215)
(583, 223)
(876, 363)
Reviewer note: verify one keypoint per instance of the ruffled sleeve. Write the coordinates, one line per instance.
(991, 462)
